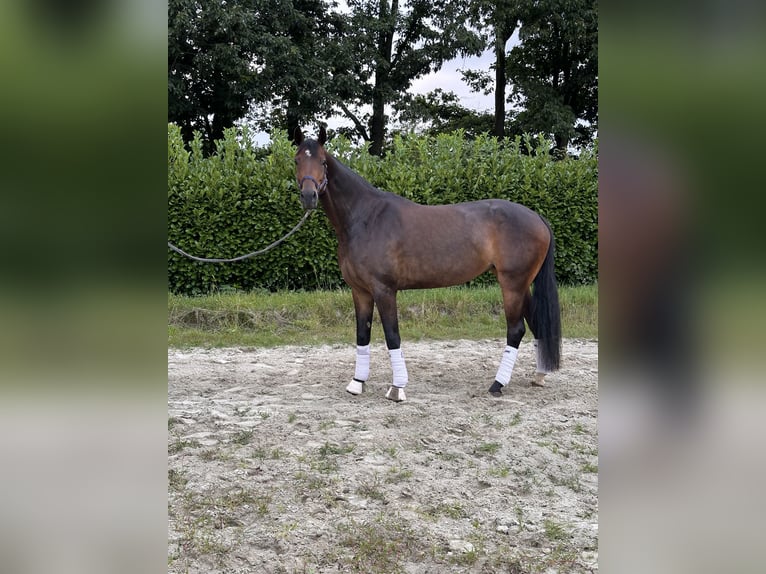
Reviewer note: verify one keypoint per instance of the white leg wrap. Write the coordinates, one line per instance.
(399, 368)
(505, 370)
(362, 370)
(539, 355)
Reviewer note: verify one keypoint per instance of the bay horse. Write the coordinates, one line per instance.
(387, 243)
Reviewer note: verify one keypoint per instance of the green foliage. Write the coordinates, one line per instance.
(554, 70)
(242, 198)
(395, 43)
(440, 112)
(268, 58)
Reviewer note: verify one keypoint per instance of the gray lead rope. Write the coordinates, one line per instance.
(247, 256)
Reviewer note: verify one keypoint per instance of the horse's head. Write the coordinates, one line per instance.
(311, 168)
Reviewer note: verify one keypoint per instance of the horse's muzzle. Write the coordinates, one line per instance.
(309, 198)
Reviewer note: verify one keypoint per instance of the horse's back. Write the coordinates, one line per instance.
(424, 246)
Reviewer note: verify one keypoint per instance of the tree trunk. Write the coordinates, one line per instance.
(385, 50)
(377, 123)
(293, 119)
(499, 130)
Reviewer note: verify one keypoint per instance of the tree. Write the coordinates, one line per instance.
(440, 112)
(396, 43)
(313, 73)
(555, 70)
(498, 19)
(216, 63)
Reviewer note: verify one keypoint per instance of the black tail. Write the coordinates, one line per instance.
(546, 312)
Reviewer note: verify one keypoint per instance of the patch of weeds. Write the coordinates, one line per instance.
(487, 419)
(292, 417)
(488, 448)
(579, 429)
(211, 454)
(526, 487)
(326, 465)
(390, 421)
(242, 437)
(328, 449)
(392, 451)
(396, 474)
(554, 531)
(205, 544)
(208, 455)
(372, 489)
(448, 456)
(465, 558)
(317, 483)
(382, 545)
(451, 510)
(325, 425)
(173, 421)
(501, 471)
(583, 449)
(516, 419)
(286, 529)
(276, 454)
(241, 411)
(519, 512)
(562, 558)
(176, 479)
(588, 467)
(504, 561)
(234, 501)
(264, 414)
(572, 481)
(179, 444)
(525, 472)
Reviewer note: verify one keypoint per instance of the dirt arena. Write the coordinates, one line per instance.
(273, 467)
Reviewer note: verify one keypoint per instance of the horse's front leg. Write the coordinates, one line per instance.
(386, 302)
(363, 306)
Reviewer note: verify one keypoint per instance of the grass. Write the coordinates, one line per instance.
(265, 319)
(381, 545)
(488, 448)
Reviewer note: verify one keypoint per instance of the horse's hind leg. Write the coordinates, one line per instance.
(385, 299)
(513, 304)
(540, 372)
(363, 307)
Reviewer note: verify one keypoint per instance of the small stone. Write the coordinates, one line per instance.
(502, 529)
(460, 546)
(507, 521)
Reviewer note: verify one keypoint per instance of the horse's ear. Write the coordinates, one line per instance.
(298, 136)
(322, 136)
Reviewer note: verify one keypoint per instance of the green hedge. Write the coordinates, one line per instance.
(243, 197)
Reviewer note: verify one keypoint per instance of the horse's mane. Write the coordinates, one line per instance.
(351, 177)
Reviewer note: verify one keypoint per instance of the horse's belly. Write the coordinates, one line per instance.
(437, 269)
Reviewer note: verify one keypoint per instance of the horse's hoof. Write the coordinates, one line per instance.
(395, 394)
(496, 390)
(355, 387)
(539, 380)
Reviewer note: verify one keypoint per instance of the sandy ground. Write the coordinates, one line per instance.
(273, 467)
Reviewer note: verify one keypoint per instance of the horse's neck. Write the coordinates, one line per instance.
(347, 194)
